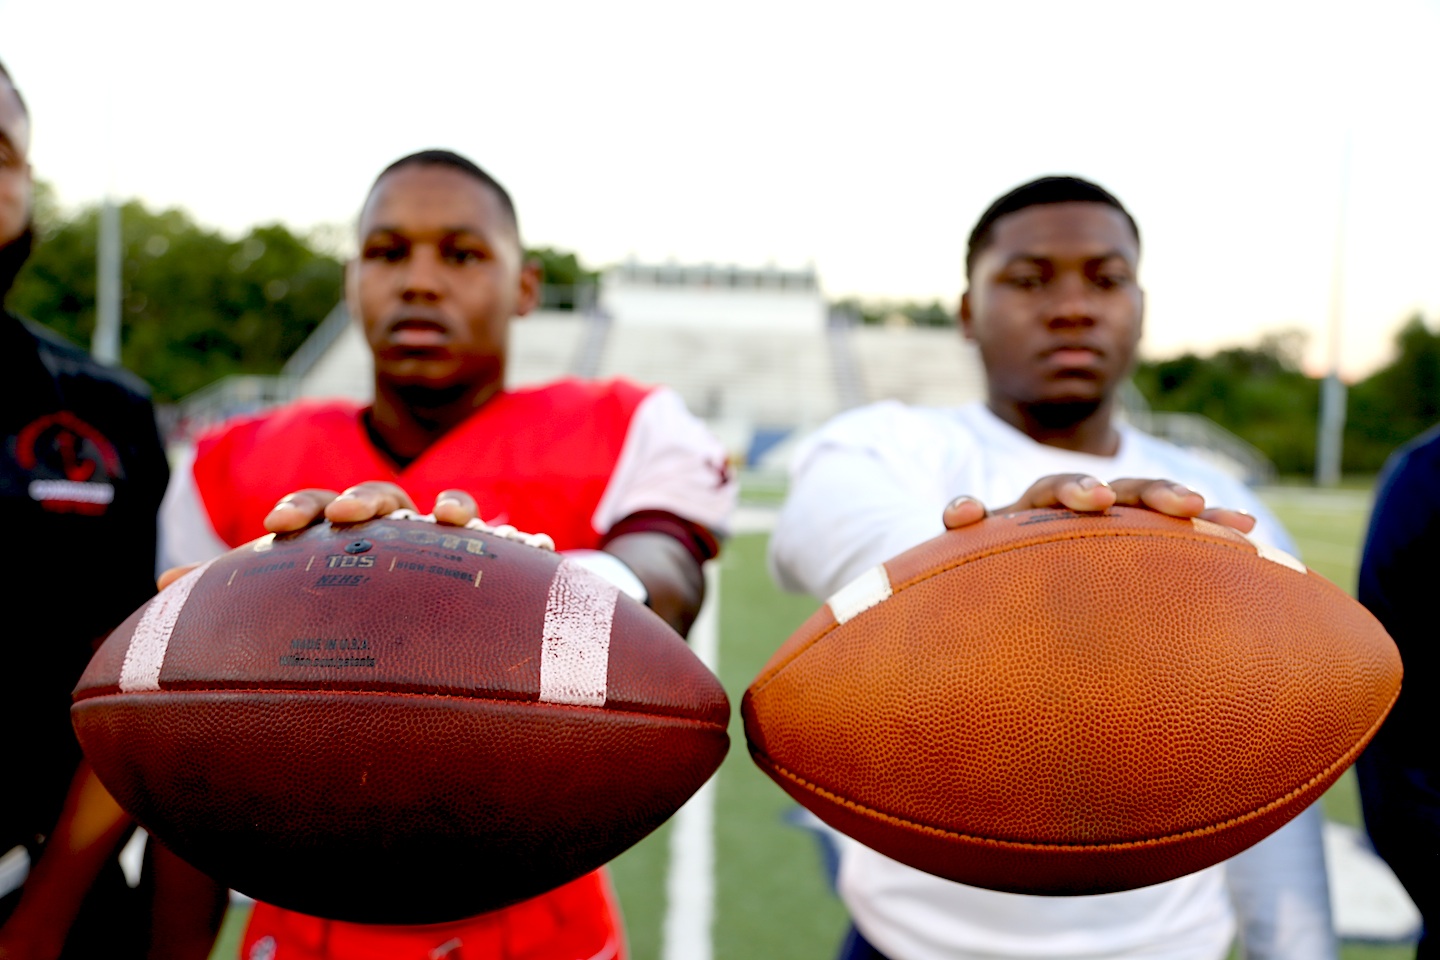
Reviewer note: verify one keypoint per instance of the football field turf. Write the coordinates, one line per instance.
(771, 894)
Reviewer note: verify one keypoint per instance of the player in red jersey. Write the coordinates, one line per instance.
(622, 474)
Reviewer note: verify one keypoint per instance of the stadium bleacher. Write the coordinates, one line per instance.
(750, 351)
(928, 366)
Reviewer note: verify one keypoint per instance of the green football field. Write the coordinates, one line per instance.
(771, 898)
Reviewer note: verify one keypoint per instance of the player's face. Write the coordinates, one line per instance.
(439, 275)
(14, 166)
(1054, 305)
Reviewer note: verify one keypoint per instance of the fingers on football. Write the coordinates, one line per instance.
(1086, 494)
(298, 510)
(1162, 496)
(1076, 491)
(962, 512)
(455, 507)
(1234, 519)
(1177, 500)
(169, 577)
(365, 501)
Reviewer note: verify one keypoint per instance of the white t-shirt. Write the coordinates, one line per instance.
(872, 483)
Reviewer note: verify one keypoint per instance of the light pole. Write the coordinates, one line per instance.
(1331, 434)
(105, 342)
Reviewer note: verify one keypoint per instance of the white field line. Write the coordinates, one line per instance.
(690, 879)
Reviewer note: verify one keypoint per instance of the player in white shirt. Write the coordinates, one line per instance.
(1055, 308)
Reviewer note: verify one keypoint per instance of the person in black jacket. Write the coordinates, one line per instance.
(82, 472)
(1399, 773)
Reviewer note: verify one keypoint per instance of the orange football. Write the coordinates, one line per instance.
(1060, 703)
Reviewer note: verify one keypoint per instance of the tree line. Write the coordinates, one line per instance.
(198, 306)
(1260, 394)
(195, 305)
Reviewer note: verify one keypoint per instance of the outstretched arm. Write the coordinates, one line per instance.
(88, 834)
(673, 578)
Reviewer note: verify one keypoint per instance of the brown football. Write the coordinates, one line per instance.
(1059, 703)
(398, 722)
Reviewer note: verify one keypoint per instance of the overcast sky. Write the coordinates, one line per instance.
(865, 139)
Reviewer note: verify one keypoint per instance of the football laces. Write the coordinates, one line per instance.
(504, 531)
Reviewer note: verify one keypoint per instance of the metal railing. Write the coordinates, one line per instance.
(579, 297)
(848, 382)
(591, 351)
(229, 397)
(1199, 434)
(321, 339)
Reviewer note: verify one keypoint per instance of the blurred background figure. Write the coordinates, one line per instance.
(1400, 772)
(82, 472)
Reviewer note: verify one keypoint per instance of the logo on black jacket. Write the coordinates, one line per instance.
(71, 464)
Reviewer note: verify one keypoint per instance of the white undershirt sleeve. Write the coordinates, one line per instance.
(186, 534)
(854, 503)
(845, 513)
(670, 461)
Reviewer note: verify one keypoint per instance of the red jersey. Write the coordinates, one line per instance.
(571, 459)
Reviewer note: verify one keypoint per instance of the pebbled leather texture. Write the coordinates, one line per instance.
(1061, 703)
(349, 724)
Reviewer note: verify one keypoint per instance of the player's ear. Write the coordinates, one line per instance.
(530, 277)
(965, 316)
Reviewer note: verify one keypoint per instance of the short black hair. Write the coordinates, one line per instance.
(5, 75)
(448, 158)
(1033, 194)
